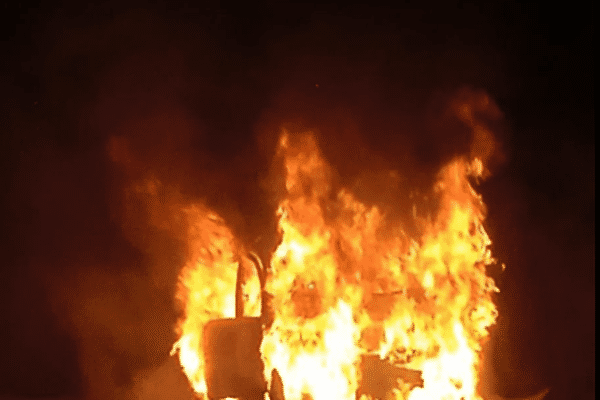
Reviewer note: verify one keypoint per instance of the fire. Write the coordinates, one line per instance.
(425, 305)
(207, 287)
(346, 285)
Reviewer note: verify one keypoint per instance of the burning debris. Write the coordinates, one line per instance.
(352, 306)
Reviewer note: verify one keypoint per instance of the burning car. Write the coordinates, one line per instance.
(349, 305)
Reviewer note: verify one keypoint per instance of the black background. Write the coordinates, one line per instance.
(73, 75)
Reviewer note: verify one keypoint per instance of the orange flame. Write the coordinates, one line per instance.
(336, 263)
(206, 287)
(345, 285)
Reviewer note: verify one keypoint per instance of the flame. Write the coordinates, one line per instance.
(206, 287)
(347, 284)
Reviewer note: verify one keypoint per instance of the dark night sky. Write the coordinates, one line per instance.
(199, 92)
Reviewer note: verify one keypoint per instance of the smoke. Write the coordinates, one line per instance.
(164, 133)
(117, 300)
(142, 114)
(164, 382)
